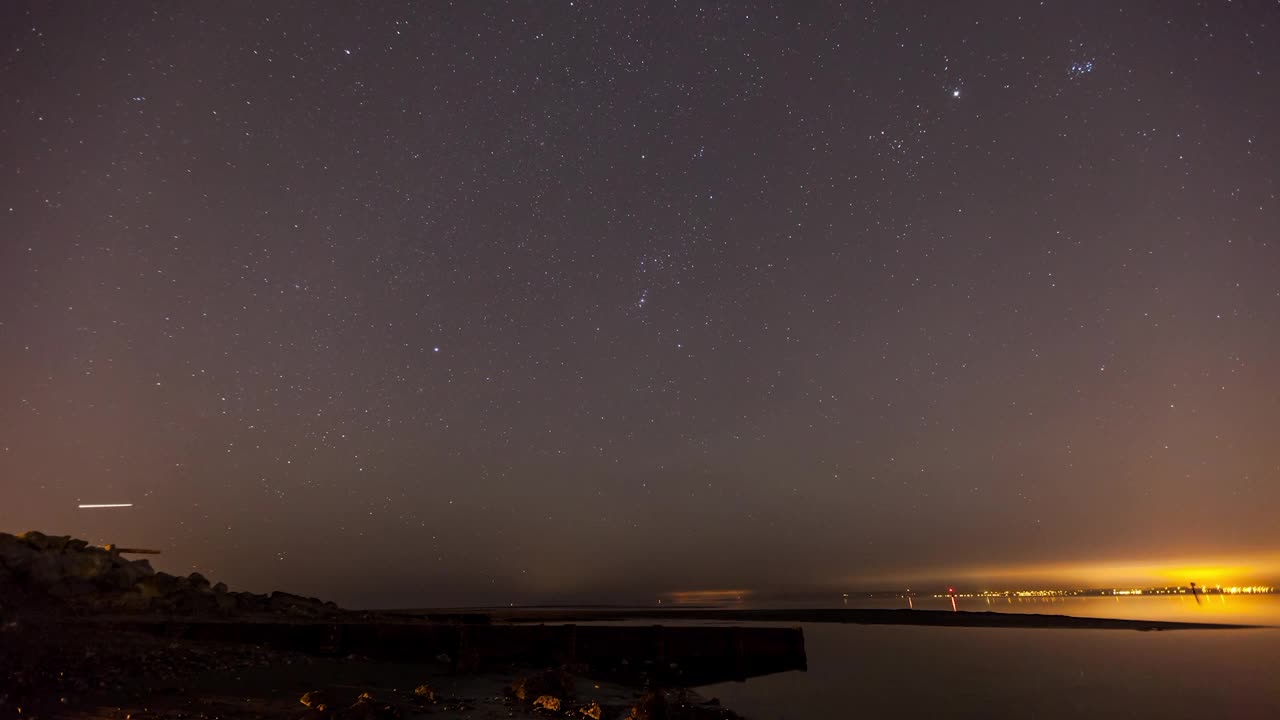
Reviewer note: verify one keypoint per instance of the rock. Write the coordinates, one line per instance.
(15, 554)
(133, 602)
(592, 711)
(295, 605)
(225, 603)
(652, 705)
(192, 602)
(34, 538)
(85, 565)
(124, 575)
(71, 588)
(157, 586)
(44, 572)
(555, 683)
(365, 708)
(315, 699)
(547, 702)
(424, 693)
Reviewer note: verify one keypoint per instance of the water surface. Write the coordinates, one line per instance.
(1234, 609)
(909, 671)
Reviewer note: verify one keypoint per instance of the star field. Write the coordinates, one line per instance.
(578, 299)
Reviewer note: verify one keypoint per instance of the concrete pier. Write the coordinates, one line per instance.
(684, 656)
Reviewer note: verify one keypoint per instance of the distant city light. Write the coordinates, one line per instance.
(1112, 592)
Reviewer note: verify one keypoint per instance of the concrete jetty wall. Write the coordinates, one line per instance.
(625, 653)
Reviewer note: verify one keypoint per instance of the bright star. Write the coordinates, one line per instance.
(955, 93)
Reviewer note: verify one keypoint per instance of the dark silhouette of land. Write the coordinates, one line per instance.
(88, 630)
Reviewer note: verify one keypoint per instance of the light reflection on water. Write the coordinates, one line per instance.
(1244, 609)
(1238, 609)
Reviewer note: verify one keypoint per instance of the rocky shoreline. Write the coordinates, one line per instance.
(69, 619)
(64, 574)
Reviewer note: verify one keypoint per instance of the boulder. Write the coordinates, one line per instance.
(315, 699)
(157, 586)
(652, 705)
(85, 565)
(34, 538)
(57, 543)
(295, 605)
(44, 571)
(555, 683)
(125, 575)
(15, 554)
(549, 703)
(226, 605)
(73, 588)
(366, 708)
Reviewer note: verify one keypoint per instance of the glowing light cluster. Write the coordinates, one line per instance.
(1107, 592)
(1247, 590)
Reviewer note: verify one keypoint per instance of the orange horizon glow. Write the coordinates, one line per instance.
(1258, 569)
(681, 597)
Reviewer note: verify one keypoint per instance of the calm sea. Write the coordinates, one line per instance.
(1236, 609)
(907, 672)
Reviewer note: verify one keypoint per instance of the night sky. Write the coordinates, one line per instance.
(451, 303)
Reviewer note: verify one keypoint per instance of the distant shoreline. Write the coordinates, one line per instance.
(934, 618)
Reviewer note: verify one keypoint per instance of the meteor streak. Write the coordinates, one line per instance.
(106, 505)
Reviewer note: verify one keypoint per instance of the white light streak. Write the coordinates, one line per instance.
(105, 505)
